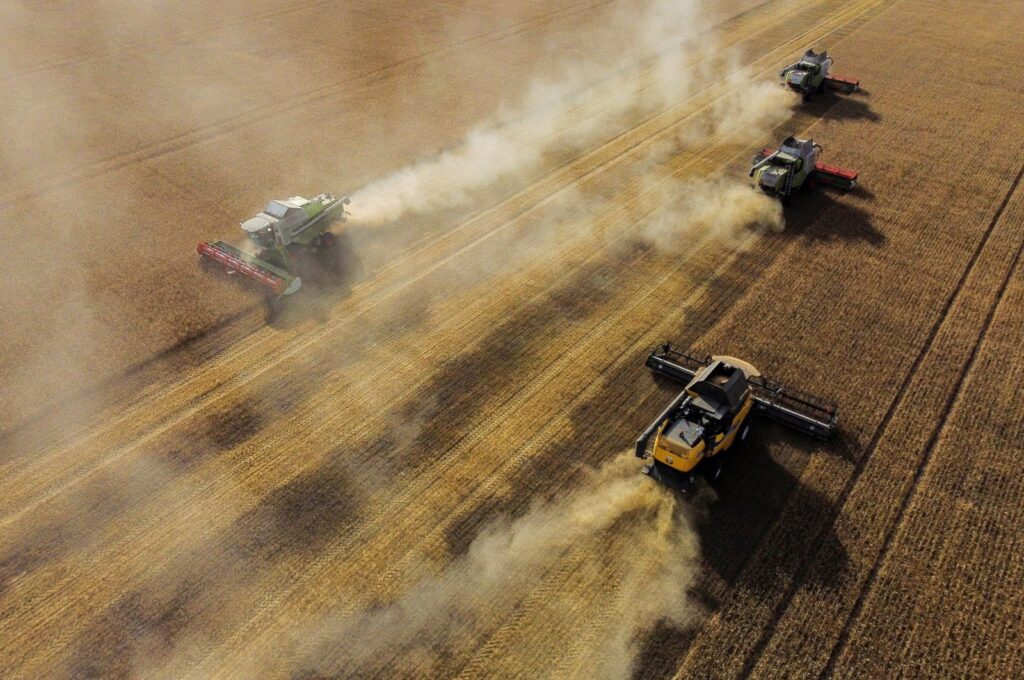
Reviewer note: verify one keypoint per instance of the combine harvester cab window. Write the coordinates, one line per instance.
(276, 209)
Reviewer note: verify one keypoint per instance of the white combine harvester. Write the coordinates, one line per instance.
(283, 224)
(795, 165)
(811, 76)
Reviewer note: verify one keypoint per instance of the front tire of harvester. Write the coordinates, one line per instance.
(327, 239)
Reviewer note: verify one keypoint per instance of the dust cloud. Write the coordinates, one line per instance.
(509, 560)
(710, 207)
(617, 524)
(583, 102)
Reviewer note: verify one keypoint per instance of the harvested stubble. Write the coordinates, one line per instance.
(287, 481)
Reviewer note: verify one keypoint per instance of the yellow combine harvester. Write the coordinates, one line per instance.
(714, 411)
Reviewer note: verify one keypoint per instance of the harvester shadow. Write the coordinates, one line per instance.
(818, 217)
(849, 108)
(755, 487)
(862, 191)
(746, 502)
(84, 513)
(830, 105)
(328, 277)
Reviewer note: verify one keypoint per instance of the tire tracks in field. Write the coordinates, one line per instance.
(311, 424)
(898, 401)
(495, 477)
(751, 15)
(256, 114)
(463, 458)
(595, 391)
(182, 37)
(744, 15)
(516, 201)
(187, 37)
(748, 14)
(423, 482)
(937, 431)
(519, 27)
(192, 341)
(239, 361)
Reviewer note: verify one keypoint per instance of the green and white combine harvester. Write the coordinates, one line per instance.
(795, 165)
(810, 76)
(282, 226)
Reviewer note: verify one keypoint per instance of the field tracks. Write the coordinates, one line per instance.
(463, 235)
(195, 137)
(187, 36)
(854, 498)
(259, 113)
(238, 362)
(954, 394)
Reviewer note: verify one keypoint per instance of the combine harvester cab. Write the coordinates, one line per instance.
(283, 224)
(714, 411)
(811, 75)
(794, 165)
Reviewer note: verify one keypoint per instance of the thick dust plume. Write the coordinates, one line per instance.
(650, 560)
(710, 207)
(579, 101)
(487, 153)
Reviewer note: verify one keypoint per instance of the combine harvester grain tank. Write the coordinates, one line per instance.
(811, 75)
(721, 395)
(283, 225)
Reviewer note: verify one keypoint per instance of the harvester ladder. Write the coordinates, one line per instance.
(788, 185)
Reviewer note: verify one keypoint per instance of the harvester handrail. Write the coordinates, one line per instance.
(640, 448)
